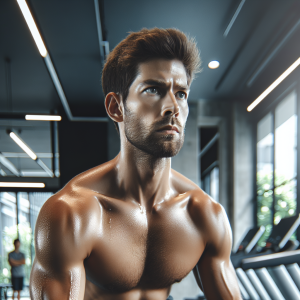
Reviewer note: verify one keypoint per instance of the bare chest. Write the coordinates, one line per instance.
(143, 250)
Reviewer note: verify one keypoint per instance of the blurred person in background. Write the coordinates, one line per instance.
(16, 260)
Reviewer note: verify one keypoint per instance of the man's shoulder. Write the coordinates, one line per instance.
(198, 198)
(210, 217)
(206, 213)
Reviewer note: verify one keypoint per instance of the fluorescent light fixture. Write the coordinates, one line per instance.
(23, 184)
(214, 64)
(32, 27)
(22, 145)
(42, 118)
(285, 74)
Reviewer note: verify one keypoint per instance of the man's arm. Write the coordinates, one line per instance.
(61, 247)
(214, 272)
(15, 263)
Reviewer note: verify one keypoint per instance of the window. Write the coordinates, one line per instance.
(18, 216)
(277, 165)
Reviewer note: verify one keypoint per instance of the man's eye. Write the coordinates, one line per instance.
(181, 95)
(151, 90)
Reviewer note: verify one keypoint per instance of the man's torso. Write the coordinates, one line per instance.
(17, 271)
(142, 251)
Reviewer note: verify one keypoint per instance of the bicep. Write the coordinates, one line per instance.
(215, 268)
(218, 278)
(64, 285)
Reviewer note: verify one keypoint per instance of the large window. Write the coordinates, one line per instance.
(276, 164)
(18, 214)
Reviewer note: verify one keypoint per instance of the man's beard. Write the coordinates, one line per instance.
(147, 139)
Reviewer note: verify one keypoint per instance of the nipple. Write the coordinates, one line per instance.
(141, 209)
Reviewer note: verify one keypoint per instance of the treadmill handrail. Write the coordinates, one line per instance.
(255, 239)
(266, 260)
(289, 233)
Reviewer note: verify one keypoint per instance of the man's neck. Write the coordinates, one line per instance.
(142, 177)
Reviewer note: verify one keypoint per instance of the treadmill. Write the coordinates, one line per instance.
(250, 239)
(276, 242)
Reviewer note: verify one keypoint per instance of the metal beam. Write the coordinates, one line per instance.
(102, 44)
(9, 165)
(209, 145)
(272, 54)
(233, 18)
(63, 98)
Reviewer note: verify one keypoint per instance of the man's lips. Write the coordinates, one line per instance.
(169, 128)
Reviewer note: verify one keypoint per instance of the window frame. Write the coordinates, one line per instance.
(271, 109)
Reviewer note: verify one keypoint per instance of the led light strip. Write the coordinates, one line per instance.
(23, 184)
(44, 53)
(22, 145)
(285, 74)
(42, 118)
(33, 28)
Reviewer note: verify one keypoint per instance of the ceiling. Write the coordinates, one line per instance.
(70, 34)
(262, 41)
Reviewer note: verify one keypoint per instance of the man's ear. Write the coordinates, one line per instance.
(113, 106)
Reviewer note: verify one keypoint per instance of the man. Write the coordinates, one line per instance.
(16, 260)
(130, 228)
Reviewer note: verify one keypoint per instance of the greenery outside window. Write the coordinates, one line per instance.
(277, 165)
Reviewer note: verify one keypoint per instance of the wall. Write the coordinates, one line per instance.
(217, 113)
(82, 145)
(244, 172)
(236, 160)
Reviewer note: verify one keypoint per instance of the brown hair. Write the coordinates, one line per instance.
(121, 67)
(16, 241)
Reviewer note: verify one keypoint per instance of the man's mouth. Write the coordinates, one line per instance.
(169, 129)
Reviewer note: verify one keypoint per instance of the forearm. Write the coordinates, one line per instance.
(16, 263)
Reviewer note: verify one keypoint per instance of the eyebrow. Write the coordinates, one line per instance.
(162, 83)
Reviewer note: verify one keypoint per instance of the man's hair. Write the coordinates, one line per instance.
(121, 67)
(15, 241)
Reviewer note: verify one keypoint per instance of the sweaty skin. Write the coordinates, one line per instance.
(130, 228)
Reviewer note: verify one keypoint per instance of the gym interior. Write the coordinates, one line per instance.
(241, 135)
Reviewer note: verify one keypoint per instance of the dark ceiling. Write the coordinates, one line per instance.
(70, 33)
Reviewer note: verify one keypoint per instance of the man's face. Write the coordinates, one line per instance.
(156, 108)
(17, 245)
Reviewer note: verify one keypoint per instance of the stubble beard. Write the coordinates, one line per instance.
(146, 139)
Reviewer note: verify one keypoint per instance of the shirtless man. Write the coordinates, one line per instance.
(130, 228)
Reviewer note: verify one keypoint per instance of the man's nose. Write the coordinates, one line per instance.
(170, 106)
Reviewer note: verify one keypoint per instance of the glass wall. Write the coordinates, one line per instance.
(8, 205)
(265, 143)
(277, 165)
(285, 158)
(18, 217)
